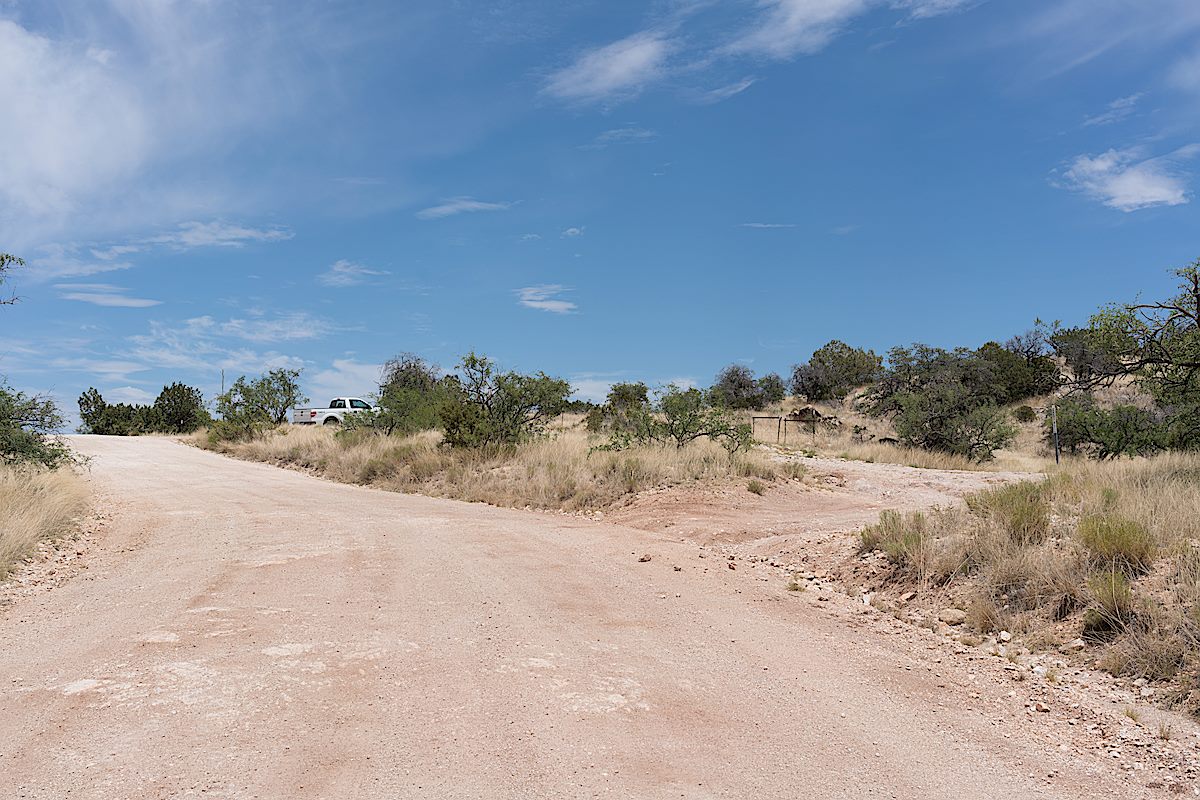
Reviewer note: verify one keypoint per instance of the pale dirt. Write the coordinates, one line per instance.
(242, 631)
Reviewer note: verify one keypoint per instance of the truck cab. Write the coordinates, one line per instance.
(339, 409)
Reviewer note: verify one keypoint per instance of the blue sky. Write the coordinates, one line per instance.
(601, 190)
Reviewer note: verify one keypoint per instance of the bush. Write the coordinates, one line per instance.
(27, 428)
(486, 408)
(834, 371)
(681, 416)
(1107, 433)
(736, 388)
(1024, 414)
(772, 389)
(1117, 542)
(1114, 605)
(944, 418)
(1022, 510)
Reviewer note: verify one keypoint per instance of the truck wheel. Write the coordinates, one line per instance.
(332, 421)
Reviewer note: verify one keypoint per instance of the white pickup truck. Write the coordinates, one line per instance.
(339, 409)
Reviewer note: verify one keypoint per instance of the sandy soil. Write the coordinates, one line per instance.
(241, 631)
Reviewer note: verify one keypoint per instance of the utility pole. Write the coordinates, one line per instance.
(1054, 423)
(222, 381)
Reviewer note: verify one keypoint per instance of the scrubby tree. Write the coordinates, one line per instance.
(412, 396)
(834, 371)
(277, 393)
(1124, 430)
(179, 408)
(28, 425)
(8, 263)
(487, 408)
(681, 416)
(736, 388)
(772, 390)
(943, 400)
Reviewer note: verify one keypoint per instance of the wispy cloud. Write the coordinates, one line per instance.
(1128, 181)
(844, 230)
(530, 237)
(630, 134)
(767, 225)
(460, 205)
(344, 376)
(572, 232)
(923, 9)
(618, 70)
(347, 273)
(788, 28)
(288, 327)
(545, 297)
(128, 394)
(725, 92)
(103, 294)
(217, 234)
(1116, 111)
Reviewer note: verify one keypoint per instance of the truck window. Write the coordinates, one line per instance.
(359, 404)
(337, 403)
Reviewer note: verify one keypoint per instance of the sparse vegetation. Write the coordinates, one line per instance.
(179, 408)
(36, 504)
(1105, 551)
(561, 472)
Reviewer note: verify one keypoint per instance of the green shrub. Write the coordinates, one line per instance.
(1118, 543)
(834, 371)
(1024, 414)
(27, 430)
(757, 487)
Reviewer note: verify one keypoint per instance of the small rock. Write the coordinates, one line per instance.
(1040, 707)
(645, 557)
(824, 597)
(1005, 636)
(677, 568)
(907, 596)
(1075, 645)
(731, 565)
(952, 616)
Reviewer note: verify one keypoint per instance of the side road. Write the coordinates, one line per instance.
(249, 632)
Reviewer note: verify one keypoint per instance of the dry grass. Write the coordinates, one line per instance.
(36, 505)
(1026, 455)
(557, 472)
(1106, 550)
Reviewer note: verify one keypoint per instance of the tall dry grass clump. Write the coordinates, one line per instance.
(36, 504)
(560, 471)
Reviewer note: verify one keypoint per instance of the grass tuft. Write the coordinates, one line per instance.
(35, 505)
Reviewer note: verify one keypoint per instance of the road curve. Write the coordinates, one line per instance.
(244, 631)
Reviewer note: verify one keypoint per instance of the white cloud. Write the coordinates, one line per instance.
(347, 273)
(788, 28)
(107, 368)
(217, 234)
(530, 237)
(587, 387)
(545, 298)
(128, 394)
(139, 101)
(572, 232)
(344, 377)
(627, 135)
(1116, 111)
(460, 205)
(196, 346)
(66, 261)
(727, 91)
(923, 9)
(767, 225)
(289, 327)
(1124, 180)
(103, 294)
(615, 71)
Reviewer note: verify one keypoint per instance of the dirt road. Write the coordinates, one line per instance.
(248, 632)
